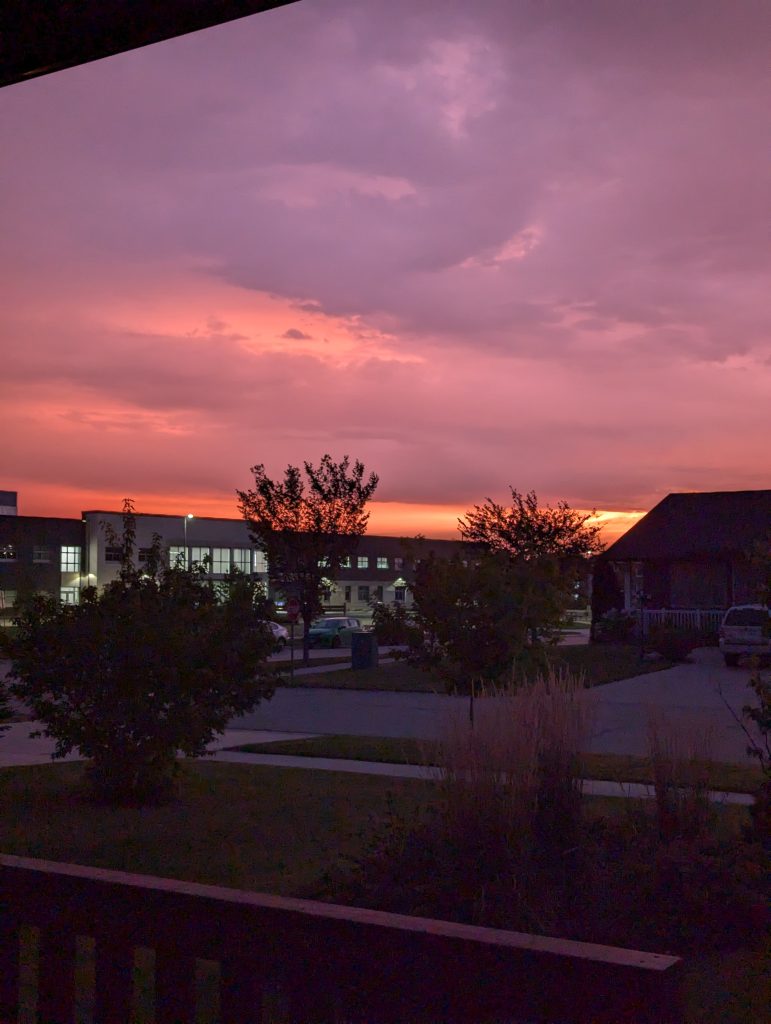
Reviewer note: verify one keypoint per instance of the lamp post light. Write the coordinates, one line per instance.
(184, 521)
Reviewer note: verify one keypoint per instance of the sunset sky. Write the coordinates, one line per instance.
(472, 244)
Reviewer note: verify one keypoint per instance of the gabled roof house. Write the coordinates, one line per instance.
(693, 550)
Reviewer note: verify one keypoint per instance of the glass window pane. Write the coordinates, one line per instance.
(70, 561)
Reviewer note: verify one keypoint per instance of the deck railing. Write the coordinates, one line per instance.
(316, 962)
(701, 620)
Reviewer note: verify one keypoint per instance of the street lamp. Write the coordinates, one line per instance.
(184, 521)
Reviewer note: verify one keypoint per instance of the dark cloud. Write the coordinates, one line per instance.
(294, 334)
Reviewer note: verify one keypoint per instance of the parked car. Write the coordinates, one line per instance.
(745, 630)
(332, 632)
(280, 633)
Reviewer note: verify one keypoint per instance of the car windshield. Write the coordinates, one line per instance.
(747, 617)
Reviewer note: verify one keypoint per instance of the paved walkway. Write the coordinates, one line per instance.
(591, 787)
(688, 695)
(18, 750)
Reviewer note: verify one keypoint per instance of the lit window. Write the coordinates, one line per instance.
(345, 563)
(70, 561)
(260, 561)
(362, 562)
(398, 563)
(324, 563)
(40, 554)
(220, 561)
(113, 554)
(69, 595)
(364, 593)
(382, 562)
(176, 557)
(197, 556)
(7, 599)
(242, 558)
(8, 553)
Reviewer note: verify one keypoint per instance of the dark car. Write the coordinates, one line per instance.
(332, 632)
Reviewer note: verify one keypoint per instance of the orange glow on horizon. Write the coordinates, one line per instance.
(388, 518)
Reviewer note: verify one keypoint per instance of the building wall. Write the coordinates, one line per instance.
(40, 554)
(222, 539)
(64, 556)
(381, 569)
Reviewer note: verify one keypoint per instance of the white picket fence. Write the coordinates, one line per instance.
(699, 619)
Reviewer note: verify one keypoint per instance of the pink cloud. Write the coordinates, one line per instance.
(509, 243)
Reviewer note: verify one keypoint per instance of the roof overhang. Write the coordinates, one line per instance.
(38, 37)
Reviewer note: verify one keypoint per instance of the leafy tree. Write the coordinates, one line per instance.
(556, 542)
(527, 531)
(474, 617)
(154, 664)
(307, 530)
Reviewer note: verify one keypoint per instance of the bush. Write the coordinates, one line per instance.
(155, 664)
(5, 709)
(672, 643)
(392, 623)
(614, 627)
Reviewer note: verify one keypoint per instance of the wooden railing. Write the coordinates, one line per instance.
(328, 963)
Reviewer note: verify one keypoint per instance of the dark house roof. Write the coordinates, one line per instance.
(686, 526)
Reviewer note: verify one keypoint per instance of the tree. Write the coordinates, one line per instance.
(560, 538)
(527, 531)
(307, 531)
(155, 663)
(474, 617)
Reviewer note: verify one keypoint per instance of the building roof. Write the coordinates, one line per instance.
(697, 524)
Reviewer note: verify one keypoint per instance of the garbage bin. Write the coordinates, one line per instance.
(363, 649)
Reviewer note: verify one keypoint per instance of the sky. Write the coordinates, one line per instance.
(508, 243)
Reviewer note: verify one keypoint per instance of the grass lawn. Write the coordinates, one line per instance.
(270, 829)
(599, 663)
(732, 778)
(276, 830)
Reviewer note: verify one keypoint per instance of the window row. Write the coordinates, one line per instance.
(365, 593)
(220, 561)
(362, 562)
(70, 555)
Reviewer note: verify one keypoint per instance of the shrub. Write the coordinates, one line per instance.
(392, 623)
(672, 643)
(5, 709)
(614, 627)
(156, 663)
(510, 843)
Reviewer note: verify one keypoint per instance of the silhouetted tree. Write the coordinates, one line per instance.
(156, 663)
(525, 530)
(307, 528)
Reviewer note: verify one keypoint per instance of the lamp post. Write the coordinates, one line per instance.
(184, 521)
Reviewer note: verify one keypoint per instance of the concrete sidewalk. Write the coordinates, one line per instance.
(17, 749)
(590, 787)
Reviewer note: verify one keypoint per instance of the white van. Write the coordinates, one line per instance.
(745, 630)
